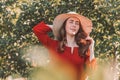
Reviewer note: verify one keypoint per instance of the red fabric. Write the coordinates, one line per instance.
(41, 31)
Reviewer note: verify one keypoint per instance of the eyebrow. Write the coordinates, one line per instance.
(73, 20)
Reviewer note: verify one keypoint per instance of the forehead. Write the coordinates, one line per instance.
(73, 18)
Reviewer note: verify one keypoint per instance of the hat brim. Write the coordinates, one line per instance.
(59, 20)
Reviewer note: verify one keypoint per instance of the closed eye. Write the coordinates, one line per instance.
(77, 22)
(71, 21)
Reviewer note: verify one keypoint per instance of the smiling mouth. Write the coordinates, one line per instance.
(73, 30)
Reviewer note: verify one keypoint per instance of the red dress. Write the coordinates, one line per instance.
(63, 61)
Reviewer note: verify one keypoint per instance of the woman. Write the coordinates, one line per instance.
(72, 49)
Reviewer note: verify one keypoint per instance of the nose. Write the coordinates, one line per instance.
(74, 24)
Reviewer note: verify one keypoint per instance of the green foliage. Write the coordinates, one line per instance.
(107, 32)
(17, 18)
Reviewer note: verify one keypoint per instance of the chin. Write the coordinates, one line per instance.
(72, 34)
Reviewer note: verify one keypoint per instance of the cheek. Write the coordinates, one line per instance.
(67, 28)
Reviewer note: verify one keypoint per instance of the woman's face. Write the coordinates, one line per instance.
(72, 26)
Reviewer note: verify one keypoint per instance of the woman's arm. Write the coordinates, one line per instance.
(91, 48)
(91, 60)
(41, 31)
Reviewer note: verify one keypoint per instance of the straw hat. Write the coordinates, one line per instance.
(59, 20)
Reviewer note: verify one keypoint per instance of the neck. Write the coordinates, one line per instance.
(71, 41)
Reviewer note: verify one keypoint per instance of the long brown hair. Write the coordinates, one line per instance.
(79, 38)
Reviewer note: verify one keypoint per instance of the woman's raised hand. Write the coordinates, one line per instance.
(91, 47)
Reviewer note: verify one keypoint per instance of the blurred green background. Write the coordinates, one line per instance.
(18, 17)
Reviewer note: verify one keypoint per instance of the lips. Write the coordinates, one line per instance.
(73, 30)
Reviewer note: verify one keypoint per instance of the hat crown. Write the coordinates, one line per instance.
(71, 12)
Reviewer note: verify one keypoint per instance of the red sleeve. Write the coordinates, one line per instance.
(41, 31)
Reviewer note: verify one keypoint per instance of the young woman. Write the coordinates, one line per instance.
(72, 49)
